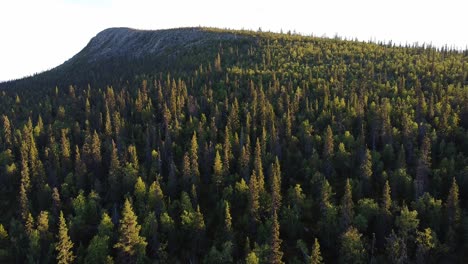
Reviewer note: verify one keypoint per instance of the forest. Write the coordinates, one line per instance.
(264, 148)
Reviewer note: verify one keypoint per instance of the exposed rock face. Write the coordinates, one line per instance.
(132, 43)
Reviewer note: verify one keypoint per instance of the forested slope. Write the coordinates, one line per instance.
(215, 146)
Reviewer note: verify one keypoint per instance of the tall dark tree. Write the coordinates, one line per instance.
(423, 168)
(276, 254)
(347, 207)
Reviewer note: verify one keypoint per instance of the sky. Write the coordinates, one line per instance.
(38, 35)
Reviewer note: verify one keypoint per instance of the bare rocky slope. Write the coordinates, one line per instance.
(125, 52)
(127, 42)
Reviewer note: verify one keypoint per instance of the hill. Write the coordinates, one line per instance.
(214, 146)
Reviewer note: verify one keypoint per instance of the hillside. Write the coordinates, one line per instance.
(124, 52)
(199, 145)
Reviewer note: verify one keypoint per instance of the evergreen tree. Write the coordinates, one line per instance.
(386, 198)
(453, 215)
(114, 179)
(66, 151)
(316, 256)
(328, 151)
(366, 173)
(227, 218)
(130, 245)
(252, 258)
(218, 172)
(396, 249)
(140, 196)
(276, 185)
(347, 207)
(65, 245)
(194, 159)
(423, 168)
(258, 167)
(6, 131)
(254, 204)
(227, 152)
(352, 249)
(80, 170)
(275, 242)
(156, 197)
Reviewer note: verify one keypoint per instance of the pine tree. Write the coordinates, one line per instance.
(106, 227)
(156, 197)
(244, 161)
(140, 196)
(386, 198)
(133, 157)
(252, 258)
(275, 242)
(366, 173)
(258, 167)
(453, 205)
(7, 131)
(227, 220)
(453, 215)
(194, 159)
(114, 179)
(347, 207)
(423, 168)
(276, 185)
(80, 170)
(24, 201)
(254, 204)
(66, 151)
(217, 63)
(218, 172)
(352, 249)
(227, 152)
(96, 148)
(186, 171)
(130, 244)
(107, 124)
(316, 255)
(328, 151)
(396, 249)
(65, 245)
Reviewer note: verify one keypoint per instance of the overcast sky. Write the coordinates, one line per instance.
(36, 35)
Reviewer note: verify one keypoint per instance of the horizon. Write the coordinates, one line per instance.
(62, 28)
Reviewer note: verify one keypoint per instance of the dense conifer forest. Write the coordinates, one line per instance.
(253, 148)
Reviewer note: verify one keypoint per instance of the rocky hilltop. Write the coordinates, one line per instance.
(133, 43)
(125, 51)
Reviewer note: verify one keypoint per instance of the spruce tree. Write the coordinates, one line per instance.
(316, 255)
(276, 185)
(276, 254)
(254, 204)
(347, 207)
(130, 244)
(64, 246)
(453, 215)
(352, 249)
(227, 151)
(217, 172)
(366, 173)
(386, 198)
(194, 159)
(328, 151)
(258, 167)
(227, 218)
